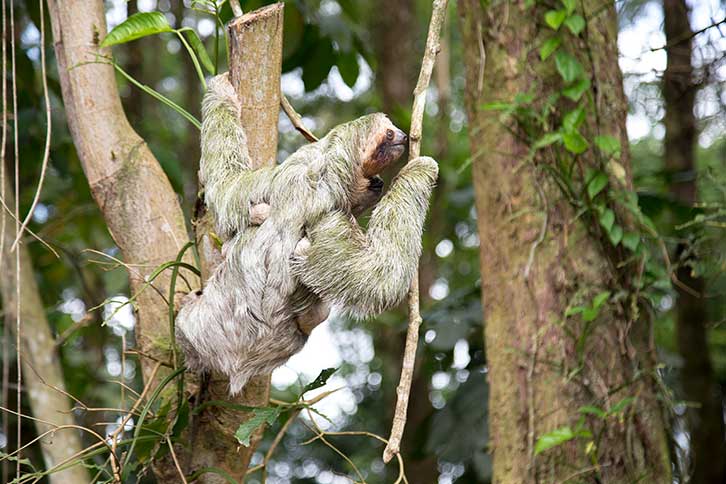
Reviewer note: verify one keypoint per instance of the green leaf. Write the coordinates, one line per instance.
(261, 416)
(569, 5)
(497, 106)
(616, 235)
(609, 145)
(568, 66)
(575, 23)
(576, 90)
(592, 410)
(572, 120)
(548, 47)
(573, 311)
(553, 439)
(554, 18)
(600, 299)
(589, 314)
(620, 406)
(575, 143)
(547, 140)
(631, 241)
(607, 219)
(596, 185)
(320, 381)
(138, 25)
(199, 49)
(348, 67)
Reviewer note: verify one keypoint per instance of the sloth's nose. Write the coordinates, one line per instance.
(401, 138)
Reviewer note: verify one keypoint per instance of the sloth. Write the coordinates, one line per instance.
(293, 246)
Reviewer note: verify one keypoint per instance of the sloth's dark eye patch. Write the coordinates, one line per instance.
(389, 135)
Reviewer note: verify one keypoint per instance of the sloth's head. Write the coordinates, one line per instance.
(373, 142)
(383, 144)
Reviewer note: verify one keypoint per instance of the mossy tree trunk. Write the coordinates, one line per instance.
(705, 419)
(543, 251)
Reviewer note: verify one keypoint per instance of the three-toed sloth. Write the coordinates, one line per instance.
(294, 247)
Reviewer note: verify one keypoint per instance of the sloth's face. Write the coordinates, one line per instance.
(384, 145)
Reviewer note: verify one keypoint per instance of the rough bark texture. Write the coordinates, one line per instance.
(537, 379)
(255, 69)
(42, 374)
(705, 420)
(395, 42)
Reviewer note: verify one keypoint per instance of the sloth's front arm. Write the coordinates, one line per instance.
(231, 185)
(370, 272)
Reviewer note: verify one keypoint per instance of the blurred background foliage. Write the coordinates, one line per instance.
(342, 59)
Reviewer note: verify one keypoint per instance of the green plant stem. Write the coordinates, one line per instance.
(193, 55)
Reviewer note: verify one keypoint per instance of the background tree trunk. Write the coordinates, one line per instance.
(42, 376)
(538, 258)
(705, 420)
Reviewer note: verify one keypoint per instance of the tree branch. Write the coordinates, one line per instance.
(414, 317)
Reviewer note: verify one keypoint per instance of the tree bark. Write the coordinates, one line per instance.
(705, 421)
(255, 69)
(538, 258)
(42, 374)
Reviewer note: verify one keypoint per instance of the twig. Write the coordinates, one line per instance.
(48, 129)
(414, 317)
(689, 36)
(296, 120)
(236, 9)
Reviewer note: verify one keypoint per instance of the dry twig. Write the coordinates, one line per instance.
(296, 120)
(414, 317)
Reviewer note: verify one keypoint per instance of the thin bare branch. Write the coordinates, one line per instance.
(296, 120)
(414, 317)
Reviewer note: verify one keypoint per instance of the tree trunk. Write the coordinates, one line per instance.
(41, 367)
(540, 257)
(255, 68)
(705, 421)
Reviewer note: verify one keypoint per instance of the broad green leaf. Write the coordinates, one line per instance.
(572, 120)
(598, 300)
(589, 314)
(548, 47)
(199, 49)
(575, 23)
(568, 66)
(348, 67)
(576, 90)
(553, 439)
(554, 18)
(261, 416)
(631, 241)
(592, 410)
(607, 219)
(547, 140)
(596, 185)
(616, 235)
(569, 5)
(607, 144)
(320, 381)
(574, 142)
(136, 26)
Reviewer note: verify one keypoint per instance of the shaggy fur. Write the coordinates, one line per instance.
(278, 278)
